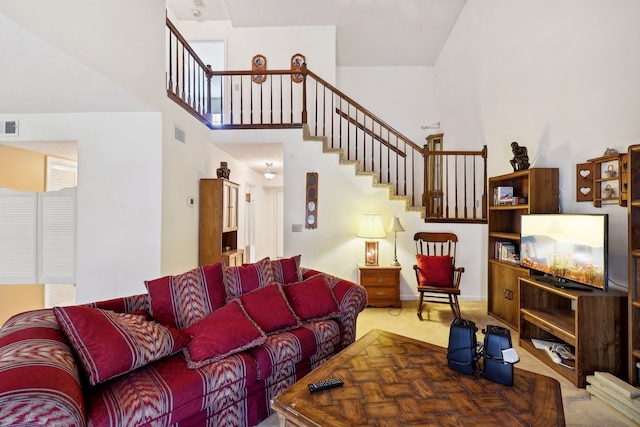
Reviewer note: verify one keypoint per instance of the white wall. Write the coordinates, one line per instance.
(119, 196)
(278, 44)
(183, 166)
(114, 38)
(402, 97)
(558, 77)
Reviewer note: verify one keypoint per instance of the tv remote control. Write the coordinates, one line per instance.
(325, 384)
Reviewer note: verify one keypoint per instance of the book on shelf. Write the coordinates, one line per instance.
(503, 195)
(506, 251)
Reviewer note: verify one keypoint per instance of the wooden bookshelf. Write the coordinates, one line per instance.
(539, 189)
(633, 208)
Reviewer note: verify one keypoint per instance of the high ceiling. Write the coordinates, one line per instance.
(368, 32)
(385, 33)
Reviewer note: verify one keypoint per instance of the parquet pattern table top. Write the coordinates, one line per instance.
(391, 380)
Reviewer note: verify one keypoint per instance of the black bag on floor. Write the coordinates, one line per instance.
(461, 353)
(496, 369)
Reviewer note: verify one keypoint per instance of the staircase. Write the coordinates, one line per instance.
(443, 186)
(326, 148)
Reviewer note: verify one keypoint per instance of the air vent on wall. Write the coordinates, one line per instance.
(9, 128)
(179, 134)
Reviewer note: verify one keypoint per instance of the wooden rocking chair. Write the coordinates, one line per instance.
(437, 276)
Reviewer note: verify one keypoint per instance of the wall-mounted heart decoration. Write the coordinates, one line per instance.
(584, 182)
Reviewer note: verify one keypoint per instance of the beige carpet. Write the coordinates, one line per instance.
(579, 410)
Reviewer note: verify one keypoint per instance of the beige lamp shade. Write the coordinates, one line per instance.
(371, 227)
(395, 225)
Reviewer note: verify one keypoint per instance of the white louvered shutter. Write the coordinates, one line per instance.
(58, 234)
(18, 237)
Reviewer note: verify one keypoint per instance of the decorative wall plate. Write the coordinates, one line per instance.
(298, 63)
(258, 65)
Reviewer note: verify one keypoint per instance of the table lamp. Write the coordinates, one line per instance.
(395, 226)
(371, 228)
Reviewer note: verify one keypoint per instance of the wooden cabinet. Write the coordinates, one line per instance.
(233, 257)
(229, 206)
(382, 284)
(503, 302)
(591, 323)
(219, 222)
(535, 190)
(610, 179)
(633, 208)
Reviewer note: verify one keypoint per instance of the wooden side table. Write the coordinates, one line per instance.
(382, 284)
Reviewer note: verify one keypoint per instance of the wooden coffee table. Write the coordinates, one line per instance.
(391, 380)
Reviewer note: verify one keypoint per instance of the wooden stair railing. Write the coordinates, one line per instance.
(345, 126)
(447, 201)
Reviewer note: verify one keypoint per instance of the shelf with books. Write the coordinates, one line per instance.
(507, 251)
(538, 190)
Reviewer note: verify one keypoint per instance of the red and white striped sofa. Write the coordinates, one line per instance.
(209, 347)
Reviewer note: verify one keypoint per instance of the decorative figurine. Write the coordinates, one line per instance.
(520, 159)
(223, 171)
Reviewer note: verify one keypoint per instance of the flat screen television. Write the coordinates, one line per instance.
(570, 249)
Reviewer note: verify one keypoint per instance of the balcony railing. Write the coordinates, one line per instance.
(449, 185)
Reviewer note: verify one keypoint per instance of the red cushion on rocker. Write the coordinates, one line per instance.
(435, 271)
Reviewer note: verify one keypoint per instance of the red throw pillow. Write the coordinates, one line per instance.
(245, 278)
(312, 299)
(269, 308)
(287, 270)
(435, 270)
(110, 344)
(224, 332)
(182, 300)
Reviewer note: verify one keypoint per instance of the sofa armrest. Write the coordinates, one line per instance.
(352, 299)
(39, 380)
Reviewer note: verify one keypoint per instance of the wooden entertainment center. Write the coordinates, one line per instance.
(593, 322)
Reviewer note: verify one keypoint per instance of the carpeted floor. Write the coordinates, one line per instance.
(579, 410)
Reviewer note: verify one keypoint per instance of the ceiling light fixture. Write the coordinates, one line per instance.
(269, 173)
(196, 13)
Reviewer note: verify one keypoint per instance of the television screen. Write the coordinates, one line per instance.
(570, 248)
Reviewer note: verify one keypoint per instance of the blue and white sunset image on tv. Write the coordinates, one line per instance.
(573, 247)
